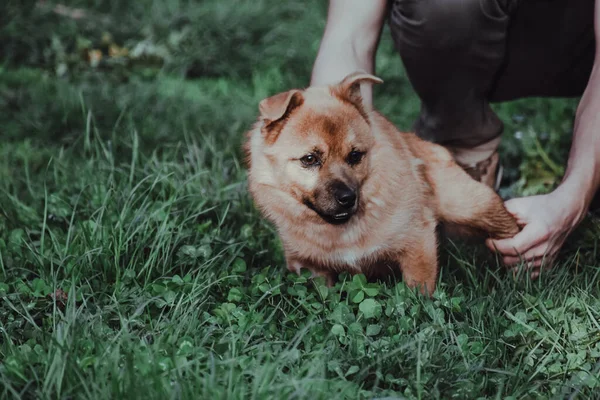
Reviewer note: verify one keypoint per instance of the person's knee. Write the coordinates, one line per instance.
(443, 24)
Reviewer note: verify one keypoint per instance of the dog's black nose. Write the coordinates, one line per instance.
(345, 196)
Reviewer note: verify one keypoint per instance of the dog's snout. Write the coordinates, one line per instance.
(345, 196)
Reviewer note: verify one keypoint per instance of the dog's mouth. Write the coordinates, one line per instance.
(337, 218)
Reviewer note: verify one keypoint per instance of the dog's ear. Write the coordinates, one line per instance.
(349, 87)
(274, 109)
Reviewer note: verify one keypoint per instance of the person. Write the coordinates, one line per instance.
(461, 55)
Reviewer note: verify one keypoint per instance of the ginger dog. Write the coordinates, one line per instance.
(347, 191)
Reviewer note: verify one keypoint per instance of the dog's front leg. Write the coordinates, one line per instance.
(418, 262)
(296, 265)
(293, 264)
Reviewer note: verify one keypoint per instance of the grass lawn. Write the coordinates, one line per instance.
(134, 265)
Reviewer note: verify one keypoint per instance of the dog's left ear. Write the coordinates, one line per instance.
(273, 111)
(349, 87)
(276, 107)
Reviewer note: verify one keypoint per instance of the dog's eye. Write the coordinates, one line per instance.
(355, 157)
(309, 160)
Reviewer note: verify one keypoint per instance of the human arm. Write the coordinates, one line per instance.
(349, 42)
(548, 219)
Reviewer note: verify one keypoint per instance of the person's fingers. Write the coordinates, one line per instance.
(545, 265)
(514, 262)
(522, 242)
(540, 251)
(534, 274)
(532, 268)
(535, 270)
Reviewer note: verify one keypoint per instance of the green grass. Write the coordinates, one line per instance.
(122, 186)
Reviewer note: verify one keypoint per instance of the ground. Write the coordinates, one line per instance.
(134, 265)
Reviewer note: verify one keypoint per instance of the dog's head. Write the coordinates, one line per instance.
(315, 146)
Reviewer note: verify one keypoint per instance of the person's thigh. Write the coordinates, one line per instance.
(459, 55)
(452, 51)
(550, 50)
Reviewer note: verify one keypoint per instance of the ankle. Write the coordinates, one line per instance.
(474, 155)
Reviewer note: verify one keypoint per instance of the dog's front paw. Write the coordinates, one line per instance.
(297, 266)
(294, 266)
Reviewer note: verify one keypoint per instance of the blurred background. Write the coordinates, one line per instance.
(202, 67)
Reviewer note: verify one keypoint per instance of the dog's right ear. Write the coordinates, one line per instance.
(274, 109)
(349, 87)
(349, 90)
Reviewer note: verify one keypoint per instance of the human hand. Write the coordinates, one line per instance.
(546, 220)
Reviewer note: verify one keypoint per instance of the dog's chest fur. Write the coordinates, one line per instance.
(356, 258)
(360, 246)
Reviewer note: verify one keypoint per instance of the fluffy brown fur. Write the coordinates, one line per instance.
(404, 186)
